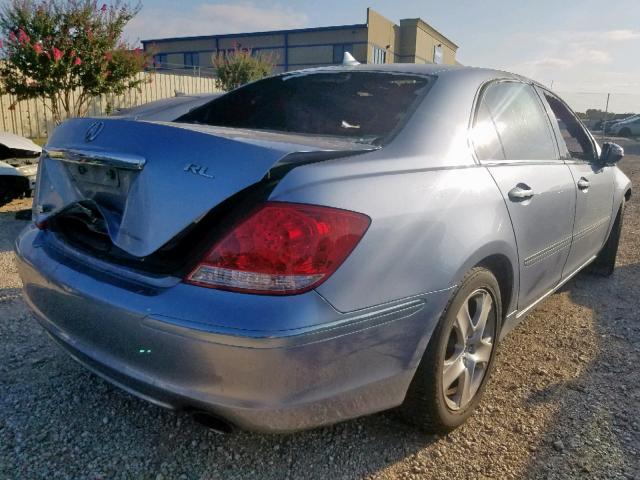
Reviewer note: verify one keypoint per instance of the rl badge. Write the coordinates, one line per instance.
(197, 170)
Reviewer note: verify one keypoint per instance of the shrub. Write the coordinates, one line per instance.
(239, 67)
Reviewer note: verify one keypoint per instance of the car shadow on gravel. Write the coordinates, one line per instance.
(596, 430)
(57, 417)
(10, 229)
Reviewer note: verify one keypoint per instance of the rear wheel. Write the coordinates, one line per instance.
(456, 365)
(625, 132)
(605, 262)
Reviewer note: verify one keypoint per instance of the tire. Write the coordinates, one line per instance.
(605, 263)
(6, 191)
(625, 132)
(428, 404)
(11, 188)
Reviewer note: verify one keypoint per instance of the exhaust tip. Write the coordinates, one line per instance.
(212, 422)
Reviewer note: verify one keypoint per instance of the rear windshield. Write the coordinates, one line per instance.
(367, 106)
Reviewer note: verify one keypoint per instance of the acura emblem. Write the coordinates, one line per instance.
(93, 131)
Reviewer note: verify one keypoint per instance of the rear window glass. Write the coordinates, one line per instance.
(367, 106)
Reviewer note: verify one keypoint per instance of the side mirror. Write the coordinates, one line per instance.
(611, 154)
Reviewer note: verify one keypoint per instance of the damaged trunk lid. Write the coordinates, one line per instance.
(150, 181)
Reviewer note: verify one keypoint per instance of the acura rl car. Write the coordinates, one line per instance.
(318, 245)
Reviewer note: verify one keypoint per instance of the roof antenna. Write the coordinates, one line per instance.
(348, 59)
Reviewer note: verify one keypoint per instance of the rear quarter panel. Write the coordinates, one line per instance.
(428, 226)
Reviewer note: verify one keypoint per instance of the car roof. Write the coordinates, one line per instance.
(458, 71)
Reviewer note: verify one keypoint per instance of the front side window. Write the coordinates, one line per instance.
(575, 142)
(366, 106)
(520, 122)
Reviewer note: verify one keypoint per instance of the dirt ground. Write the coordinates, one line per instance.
(564, 402)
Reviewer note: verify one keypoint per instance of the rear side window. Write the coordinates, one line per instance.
(367, 106)
(485, 136)
(521, 124)
(576, 140)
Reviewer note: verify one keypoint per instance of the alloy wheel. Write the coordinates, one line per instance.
(469, 347)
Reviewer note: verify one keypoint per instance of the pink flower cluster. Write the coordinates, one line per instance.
(24, 40)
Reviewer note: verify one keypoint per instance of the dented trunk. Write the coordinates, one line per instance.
(150, 181)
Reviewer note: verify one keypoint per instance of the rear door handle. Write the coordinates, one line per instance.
(521, 192)
(583, 184)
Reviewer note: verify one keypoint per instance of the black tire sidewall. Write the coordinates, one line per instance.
(476, 279)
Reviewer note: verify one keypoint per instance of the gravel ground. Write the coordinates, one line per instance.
(564, 402)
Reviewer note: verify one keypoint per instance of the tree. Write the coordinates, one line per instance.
(67, 52)
(240, 66)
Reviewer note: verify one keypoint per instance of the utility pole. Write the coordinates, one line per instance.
(604, 122)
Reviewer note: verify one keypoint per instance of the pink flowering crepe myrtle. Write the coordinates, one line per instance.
(57, 54)
(47, 52)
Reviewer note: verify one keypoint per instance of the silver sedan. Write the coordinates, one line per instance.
(318, 245)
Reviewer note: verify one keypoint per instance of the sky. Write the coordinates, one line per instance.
(587, 48)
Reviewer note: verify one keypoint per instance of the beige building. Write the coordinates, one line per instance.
(379, 40)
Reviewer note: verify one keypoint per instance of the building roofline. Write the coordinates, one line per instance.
(256, 34)
(425, 26)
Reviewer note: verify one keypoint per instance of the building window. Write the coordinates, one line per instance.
(160, 60)
(379, 55)
(191, 59)
(338, 51)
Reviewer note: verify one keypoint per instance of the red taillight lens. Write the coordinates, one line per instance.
(280, 249)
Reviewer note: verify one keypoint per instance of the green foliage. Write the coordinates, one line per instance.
(52, 48)
(239, 67)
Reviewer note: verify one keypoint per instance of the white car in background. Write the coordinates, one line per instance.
(626, 128)
(18, 166)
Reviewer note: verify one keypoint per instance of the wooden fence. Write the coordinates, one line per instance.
(32, 118)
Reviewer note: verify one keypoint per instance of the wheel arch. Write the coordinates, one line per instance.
(501, 268)
(501, 259)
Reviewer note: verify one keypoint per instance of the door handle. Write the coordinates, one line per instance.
(521, 192)
(583, 184)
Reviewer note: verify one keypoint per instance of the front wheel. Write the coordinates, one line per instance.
(454, 370)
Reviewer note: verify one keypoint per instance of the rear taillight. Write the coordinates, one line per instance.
(281, 249)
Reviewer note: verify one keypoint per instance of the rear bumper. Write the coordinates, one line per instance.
(159, 345)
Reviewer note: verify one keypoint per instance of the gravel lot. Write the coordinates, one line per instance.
(564, 402)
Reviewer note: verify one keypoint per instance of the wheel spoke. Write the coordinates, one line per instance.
(464, 323)
(483, 314)
(482, 351)
(452, 371)
(464, 386)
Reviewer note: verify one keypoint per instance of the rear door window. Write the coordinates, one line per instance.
(521, 124)
(366, 106)
(485, 136)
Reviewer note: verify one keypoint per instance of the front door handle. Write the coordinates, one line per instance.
(583, 184)
(521, 192)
